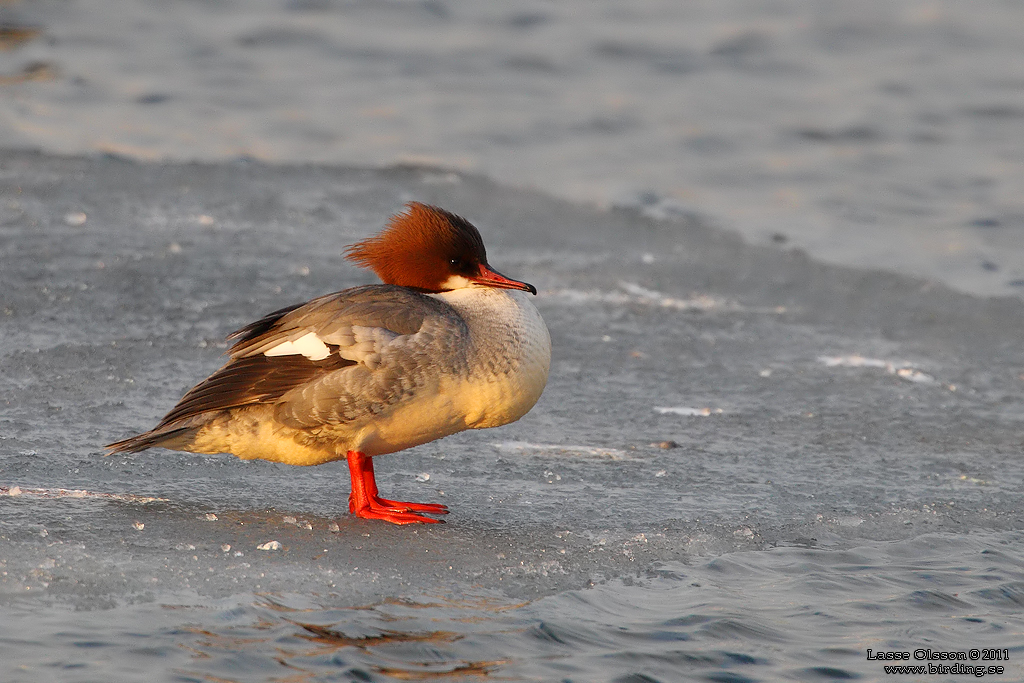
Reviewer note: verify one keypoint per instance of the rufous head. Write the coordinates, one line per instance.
(430, 249)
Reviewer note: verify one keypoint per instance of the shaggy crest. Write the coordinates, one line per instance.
(421, 248)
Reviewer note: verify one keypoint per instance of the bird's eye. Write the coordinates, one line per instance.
(456, 263)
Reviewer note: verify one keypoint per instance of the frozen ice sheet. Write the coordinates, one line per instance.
(106, 322)
(105, 325)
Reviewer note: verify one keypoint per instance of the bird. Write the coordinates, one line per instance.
(444, 345)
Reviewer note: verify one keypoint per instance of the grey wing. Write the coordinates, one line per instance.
(397, 309)
(400, 345)
(330, 360)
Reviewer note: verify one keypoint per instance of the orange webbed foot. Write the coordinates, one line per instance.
(429, 508)
(395, 517)
(367, 504)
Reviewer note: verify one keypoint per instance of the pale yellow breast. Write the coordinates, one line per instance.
(512, 351)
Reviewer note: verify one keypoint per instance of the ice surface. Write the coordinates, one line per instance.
(104, 326)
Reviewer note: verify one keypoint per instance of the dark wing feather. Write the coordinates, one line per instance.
(261, 326)
(243, 381)
(248, 380)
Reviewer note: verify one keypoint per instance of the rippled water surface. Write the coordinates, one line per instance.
(800, 613)
(781, 614)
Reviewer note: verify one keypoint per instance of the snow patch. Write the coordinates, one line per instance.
(687, 411)
(566, 449)
(901, 369)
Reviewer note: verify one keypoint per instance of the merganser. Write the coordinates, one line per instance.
(445, 344)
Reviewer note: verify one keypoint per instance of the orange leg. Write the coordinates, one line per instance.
(366, 503)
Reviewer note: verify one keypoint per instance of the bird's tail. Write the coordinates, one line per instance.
(173, 438)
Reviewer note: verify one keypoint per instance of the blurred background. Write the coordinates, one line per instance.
(871, 133)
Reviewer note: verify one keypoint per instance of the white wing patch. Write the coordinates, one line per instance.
(355, 342)
(309, 345)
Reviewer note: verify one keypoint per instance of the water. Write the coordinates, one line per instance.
(817, 612)
(874, 134)
(749, 464)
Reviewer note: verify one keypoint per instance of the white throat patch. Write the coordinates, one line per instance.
(456, 282)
